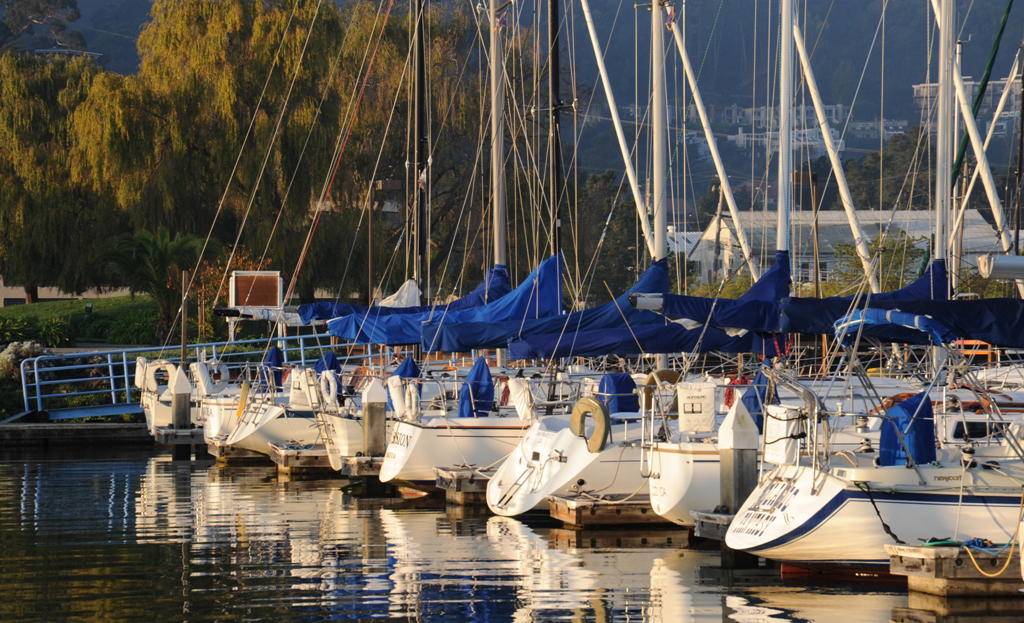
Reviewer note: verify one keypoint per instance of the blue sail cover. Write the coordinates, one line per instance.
(476, 398)
(495, 285)
(408, 369)
(891, 325)
(649, 339)
(394, 329)
(996, 321)
(617, 391)
(659, 336)
(273, 360)
(612, 315)
(756, 310)
(489, 326)
(933, 284)
(754, 398)
(914, 419)
(329, 361)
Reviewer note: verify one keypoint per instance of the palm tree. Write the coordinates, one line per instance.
(153, 264)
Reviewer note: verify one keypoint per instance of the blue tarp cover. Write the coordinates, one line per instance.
(613, 315)
(408, 369)
(274, 359)
(495, 285)
(891, 325)
(756, 310)
(670, 338)
(329, 361)
(996, 321)
(754, 398)
(662, 336)
(918, 432)
(622, 385)
(489, 326)
(476, 398)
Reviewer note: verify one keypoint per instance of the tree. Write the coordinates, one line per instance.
(153, 264)
(900, 259)
(42, 23)
(49, 223)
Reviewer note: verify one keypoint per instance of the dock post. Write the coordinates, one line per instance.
(181, 411)
(737, 444)
(375, 402)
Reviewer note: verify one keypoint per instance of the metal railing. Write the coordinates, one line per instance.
(101, 383)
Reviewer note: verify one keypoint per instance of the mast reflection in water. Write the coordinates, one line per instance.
(141, 538)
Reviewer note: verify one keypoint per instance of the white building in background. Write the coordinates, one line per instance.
(978, 239)
(926, 96)
(808, 143)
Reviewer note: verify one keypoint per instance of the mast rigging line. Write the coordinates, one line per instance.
(337, 163)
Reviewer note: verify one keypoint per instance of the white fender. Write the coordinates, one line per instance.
(140, 372)
(397, 391)
(201, 373)
(602, 422)
(329, 388)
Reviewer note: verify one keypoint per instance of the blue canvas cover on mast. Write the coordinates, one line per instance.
(538, 296)
(663, 336)
(476, 398)
(495, 285)
(404, 329)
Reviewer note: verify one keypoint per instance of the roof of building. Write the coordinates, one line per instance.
(834, 228)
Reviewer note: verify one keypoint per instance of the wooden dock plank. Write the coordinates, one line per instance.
(949, 571)
(588, 512)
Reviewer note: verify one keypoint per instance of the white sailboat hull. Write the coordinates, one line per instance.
(685, 477)
(416, 448)
(800, 515)
(551, 460)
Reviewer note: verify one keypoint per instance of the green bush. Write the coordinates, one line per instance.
(137, 327)
(54, 332)
(18, 329)
(90, 326)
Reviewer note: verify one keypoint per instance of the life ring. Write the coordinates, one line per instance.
(243, 398)
(655, 379)
(602, 422)
(329, 387)
(221, 370)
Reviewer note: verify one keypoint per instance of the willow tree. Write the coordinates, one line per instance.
(49, 224)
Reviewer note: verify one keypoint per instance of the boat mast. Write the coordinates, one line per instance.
(554, 135)
(659, 140)
(498, 137)
(944, 143)
(785, 155)
(421, 229)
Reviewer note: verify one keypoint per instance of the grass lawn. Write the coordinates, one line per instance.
(112, 307)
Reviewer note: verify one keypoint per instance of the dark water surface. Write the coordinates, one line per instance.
(139, 538)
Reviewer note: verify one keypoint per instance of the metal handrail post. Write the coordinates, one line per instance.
(112, 378)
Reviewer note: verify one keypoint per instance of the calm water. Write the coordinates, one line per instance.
(139, 538)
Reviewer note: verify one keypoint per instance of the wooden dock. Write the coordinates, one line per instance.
(94, 434)
(169, 436)
(308, 461)
(951, 572)
(463, 486)
(226, 455)
(564, 538)
(588, 512)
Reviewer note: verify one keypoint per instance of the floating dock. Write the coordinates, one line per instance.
(587, 512)
(74, 434)
(463, 486)
(308, 461)
(235, 456)
(956, 571)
